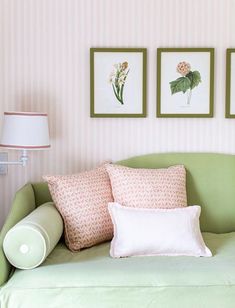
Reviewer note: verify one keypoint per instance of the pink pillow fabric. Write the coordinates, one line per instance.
(148, 188)
(82, 200)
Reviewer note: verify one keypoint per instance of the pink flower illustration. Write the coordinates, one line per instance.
(183, 68)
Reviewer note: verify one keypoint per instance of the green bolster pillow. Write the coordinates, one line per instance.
(32, 239)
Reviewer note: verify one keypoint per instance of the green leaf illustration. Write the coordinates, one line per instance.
(117, 97)
(195, 79)
(117, 79)
(180, 84)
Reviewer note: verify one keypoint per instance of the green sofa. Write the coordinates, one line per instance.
(91, 279)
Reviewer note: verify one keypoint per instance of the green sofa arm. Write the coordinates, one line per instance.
(23, 204)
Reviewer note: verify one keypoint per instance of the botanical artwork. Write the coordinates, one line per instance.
(118, 78)
(187, 82)
(118, 82)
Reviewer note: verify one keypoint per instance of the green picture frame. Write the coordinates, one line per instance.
(186, 86)
(228, 100)
(128, 75)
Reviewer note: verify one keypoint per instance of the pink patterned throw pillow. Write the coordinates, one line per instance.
(148, 188)
(82, 200)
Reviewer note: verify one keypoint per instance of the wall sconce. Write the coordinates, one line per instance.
(24, 131)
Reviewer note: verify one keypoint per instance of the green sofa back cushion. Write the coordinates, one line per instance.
(210, 184)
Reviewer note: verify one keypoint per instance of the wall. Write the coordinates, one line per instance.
(44, 66)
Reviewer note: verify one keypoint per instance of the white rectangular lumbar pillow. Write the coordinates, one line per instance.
(156, 232)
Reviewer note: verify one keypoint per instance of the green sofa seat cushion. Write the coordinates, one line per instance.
(68, 278)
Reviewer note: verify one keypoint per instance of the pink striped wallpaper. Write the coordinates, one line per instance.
(44, 66)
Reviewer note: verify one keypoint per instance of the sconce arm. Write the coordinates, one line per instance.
(22, 161)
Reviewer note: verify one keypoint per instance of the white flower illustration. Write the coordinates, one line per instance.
(117, 78)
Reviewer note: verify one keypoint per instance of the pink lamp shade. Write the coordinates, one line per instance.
(25, 130)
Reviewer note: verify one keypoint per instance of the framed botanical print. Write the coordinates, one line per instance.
(230, 83)
(185, 82)
(118, 82)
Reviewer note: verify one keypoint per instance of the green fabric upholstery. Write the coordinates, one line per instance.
(91, 279)
(42, 193)
(23, 204)
(210, 183)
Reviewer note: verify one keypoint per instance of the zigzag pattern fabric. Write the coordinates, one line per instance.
(148, 188)
(82, 200)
